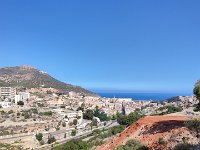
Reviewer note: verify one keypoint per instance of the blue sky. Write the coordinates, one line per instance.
(109, 44)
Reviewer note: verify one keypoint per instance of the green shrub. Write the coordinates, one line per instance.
(96, 132)
(88, 114)
(47, 113)
(132, 145)
(73, 133)
(51, 140)
(193, 125)
(184, 147)
(128, 120)
(161, 141)
(39, 136)
(75, 121)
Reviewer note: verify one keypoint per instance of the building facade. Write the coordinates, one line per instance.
(7, 93)
(22, 96)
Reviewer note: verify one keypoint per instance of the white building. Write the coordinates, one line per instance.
(22, 96)
(7, 92)
(5, 104)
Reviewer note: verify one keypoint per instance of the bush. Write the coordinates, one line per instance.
(63, 106)
(161, 141)
(132, 145)
(64, 124)
(128, 120)
(42, 142)
(74, 145)
(184, 147)
(39, 136)
(10, 111)
(173, 109)
(34, 110)
(75, 121)
(47, 113)
(193, 125)
(70, 123)
(26, 115)
(95, 132)
(88, 114)
(51, 140)
(101, 115)
(94, 122)
(73, 133)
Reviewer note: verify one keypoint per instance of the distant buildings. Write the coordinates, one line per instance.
(22, 96)
(5, 104)
(7, 93)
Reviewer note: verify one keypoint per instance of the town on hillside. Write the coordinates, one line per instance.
(41, 118)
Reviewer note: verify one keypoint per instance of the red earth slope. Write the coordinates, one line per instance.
(149, 129)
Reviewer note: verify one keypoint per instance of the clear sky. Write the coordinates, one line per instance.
(134, 45)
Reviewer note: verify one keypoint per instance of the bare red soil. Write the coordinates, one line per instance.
(149, 129)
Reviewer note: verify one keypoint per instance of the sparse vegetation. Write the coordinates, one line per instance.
(169, 110)
(73, 145)
(184, 146)
(75, 121)
(47, 113)
(5, 146)
(73, 133)
(132, 145)
(96, 140)
(161, 140)
(194, 126)
(35, 82)
(196, 92)
(128, 120)
(39, 136)
(88, 114)
(51, 140)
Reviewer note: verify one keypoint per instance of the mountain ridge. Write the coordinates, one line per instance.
(30, 77)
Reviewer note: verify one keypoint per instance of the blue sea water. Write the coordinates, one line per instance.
(143, 96)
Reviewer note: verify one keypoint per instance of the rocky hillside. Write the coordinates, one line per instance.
(30, 77)
(156, 132)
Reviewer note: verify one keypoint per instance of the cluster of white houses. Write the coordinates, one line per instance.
(10, 96)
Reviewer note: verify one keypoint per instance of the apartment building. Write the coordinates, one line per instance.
(22, 96)
(7, 93)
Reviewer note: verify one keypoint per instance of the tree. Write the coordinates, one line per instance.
(73, 133)
(94, 122)
(128, 120)
(64, 124)
(51, 140)
(21, 103)
(133, 117)
(122, 120)
(101, 115)
(82, 107)
(65, 135)
(194, 125)
(88, 114)
(39, 136)
(196, 92)
(75, 121)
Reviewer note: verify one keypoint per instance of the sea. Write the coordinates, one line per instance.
(143, 96)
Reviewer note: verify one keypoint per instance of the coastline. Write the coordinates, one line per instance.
(142, 96)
